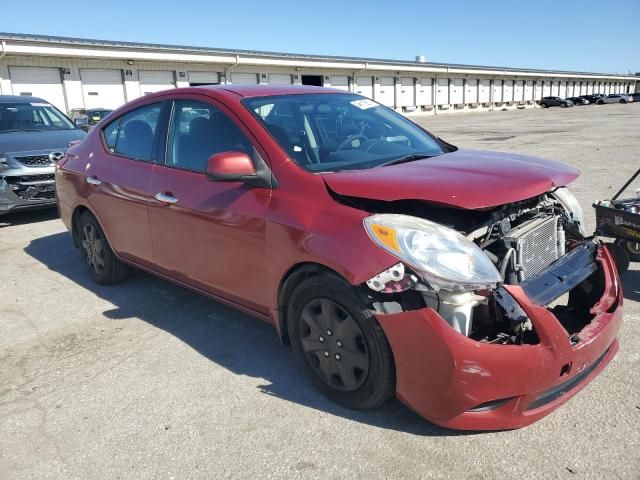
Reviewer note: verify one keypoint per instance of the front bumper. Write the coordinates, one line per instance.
(26, 188)
(456, 382)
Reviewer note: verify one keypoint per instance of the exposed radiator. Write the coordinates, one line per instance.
(536, 245)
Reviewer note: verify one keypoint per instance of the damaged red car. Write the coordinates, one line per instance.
(391, 261)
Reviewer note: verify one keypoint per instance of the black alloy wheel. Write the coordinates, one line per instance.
(631, 248)
(104, 267)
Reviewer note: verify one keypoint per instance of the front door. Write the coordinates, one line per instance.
(210, 235)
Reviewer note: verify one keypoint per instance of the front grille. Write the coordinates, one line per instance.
(45, 177)
(33, 187)
(536, 245)
(34, 160)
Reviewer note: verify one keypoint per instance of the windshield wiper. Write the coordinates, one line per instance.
(407, 158)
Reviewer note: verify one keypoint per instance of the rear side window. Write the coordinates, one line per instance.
(132, 134)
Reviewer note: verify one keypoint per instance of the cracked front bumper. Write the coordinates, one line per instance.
(456, 382)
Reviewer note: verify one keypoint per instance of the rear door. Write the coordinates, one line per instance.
(210, 235)
(118, 180)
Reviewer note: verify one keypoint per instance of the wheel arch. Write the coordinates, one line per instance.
(290, 280)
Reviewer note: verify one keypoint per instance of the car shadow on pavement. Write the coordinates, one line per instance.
(28, 216)
(236, 341)
(631, 285)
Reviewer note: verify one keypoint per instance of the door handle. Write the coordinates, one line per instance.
(161, 197)
(93, 181)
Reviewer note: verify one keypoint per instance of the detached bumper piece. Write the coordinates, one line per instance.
(457, 382)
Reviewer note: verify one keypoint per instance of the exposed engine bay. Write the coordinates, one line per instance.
(530, 243)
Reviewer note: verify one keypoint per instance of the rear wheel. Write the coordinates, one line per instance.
(339, 344)
(632, 249)
(623, 100)
(543, 105)
(563, 105)
(103, 265)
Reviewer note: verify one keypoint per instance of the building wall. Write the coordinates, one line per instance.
(407, 91)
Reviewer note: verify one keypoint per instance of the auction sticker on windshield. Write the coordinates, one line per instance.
(363, 104)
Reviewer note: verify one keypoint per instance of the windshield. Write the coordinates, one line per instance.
(333, 132)
(20, 117)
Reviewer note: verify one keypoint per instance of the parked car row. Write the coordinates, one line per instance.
(598, 99)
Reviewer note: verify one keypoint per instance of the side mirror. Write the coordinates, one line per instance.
(231, 167)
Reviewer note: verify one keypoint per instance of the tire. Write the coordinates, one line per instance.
(632, 249)
(563, 105)
(600, 102)
(543, 105)
(104, 266)
(622, 100)
(339, 344)
(620, 256)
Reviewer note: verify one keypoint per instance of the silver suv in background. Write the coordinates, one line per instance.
(33, 135)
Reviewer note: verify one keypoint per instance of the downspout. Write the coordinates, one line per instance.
(227, 71)
(355, 75)
(4, 49)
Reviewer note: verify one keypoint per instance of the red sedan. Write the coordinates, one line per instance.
(392, 262)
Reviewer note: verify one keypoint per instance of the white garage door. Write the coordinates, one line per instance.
(563, 90)
(102, 88)
(528, 90)
(45, 83)
(341, 82)
(555, 89)
(518, 91)
(203, 78)
(279, 79)
(484, 91)
(508, 91)
(387, 91)
(538, 90)
(250, 78)
(546, 89)
(456, 95)
(364, 86)
(424, 93)
(471, 94)
(497, 91)
(152, 81)
(442, 91)
(407, 92)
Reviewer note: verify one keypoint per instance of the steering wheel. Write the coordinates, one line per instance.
(349, 139)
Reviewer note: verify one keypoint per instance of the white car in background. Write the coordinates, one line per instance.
(615, 98)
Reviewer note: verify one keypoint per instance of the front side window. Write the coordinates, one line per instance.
(332, 132)
(199, 130)
(132, 135)
(34, 116)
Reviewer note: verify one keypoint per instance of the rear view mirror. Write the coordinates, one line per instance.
(231, 167)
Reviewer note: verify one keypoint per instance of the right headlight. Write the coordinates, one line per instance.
(442, 256)
(572, 207)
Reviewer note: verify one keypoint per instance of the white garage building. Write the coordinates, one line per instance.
(79, 73)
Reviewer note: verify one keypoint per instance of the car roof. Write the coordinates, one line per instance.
(269, 90)
(20, 99)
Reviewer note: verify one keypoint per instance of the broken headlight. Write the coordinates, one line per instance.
(572, 207)
(444, 258)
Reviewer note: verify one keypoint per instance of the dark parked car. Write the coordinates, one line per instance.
(546, 102)
(88, 118)
(390, 260)
(33, 135)
(592, 98)
(579, 101)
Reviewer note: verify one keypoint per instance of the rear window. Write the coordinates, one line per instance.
(132, 135)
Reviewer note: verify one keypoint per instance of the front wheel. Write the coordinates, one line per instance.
(339, 344)
(104, 266)
(623, 101)
(563, 105)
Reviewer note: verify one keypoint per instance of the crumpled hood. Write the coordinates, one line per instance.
(13, 142)
(470, 179)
